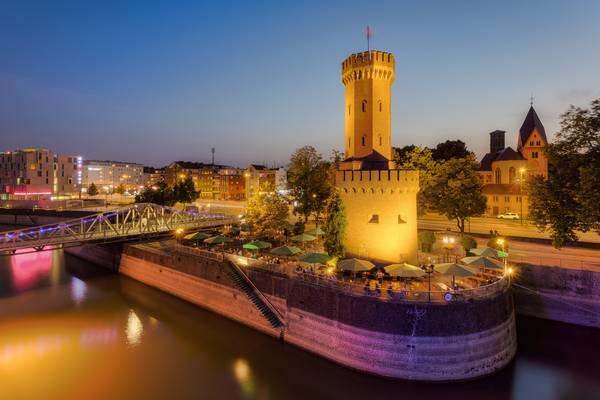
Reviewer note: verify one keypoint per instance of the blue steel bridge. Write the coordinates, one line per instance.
(122, 224)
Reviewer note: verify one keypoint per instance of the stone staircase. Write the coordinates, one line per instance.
(244, 284)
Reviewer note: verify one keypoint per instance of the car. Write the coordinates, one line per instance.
(508, 215)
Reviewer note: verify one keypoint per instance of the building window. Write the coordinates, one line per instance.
(380, 107)
(531, 142)
(512, 175)
(363, 139)
(364, 106)
(495, 199)
(498, 175)
(507, 199)
(534, 154)
(349, 108)
(538, 143)
(380, 141)
(401, 220)
(374, 219)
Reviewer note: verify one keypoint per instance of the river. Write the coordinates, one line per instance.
(69, 330)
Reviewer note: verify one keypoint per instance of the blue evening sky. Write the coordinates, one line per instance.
(152, 82)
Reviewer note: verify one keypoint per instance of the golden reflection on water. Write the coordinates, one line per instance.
(134, 329)
(243, 375)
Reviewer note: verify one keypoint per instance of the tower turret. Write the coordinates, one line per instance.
(368, 79)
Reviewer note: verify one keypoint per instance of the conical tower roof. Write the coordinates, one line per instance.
(531, 122)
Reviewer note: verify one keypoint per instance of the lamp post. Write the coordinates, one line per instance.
(521, 172)
(501, 242)
(105, 188)
(448, 245)
(429, 271)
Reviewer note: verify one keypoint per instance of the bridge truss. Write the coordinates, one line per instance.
(143, 219)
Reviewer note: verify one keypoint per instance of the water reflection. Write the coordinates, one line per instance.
(28, 269)
(78, 332)
(134, 329)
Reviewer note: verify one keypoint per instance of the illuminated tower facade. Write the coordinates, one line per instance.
(380, 200)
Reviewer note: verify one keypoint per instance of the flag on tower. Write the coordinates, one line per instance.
(369, 35)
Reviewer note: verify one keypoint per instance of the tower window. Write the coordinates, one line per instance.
(498, 175)
(363, 139)
(380, 107)
(401, 220)
(364, 106)
(380, 141)
(349, 108)
(374, 218)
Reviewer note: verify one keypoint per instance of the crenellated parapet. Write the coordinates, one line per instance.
(368, 65)
(378, 182)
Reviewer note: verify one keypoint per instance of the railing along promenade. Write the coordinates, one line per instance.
(109, 226)
(386, 292)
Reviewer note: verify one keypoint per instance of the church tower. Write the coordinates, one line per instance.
(380, 201)
(368, 79)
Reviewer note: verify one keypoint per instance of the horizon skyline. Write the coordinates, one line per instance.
(82, 79)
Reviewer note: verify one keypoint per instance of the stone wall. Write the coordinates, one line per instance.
(559, 294)
(431, 342)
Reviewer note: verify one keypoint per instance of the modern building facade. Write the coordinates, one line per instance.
(504, 171)
(213, 181)
(33, 174)
(257, 177)
(380, 200)
(113, 174)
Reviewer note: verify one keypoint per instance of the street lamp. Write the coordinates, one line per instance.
(521, 172)
(428, 268)
(105, 188)
(178, 233)
(501, 242)
(448, 245)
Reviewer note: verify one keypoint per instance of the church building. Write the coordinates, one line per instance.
(504, 171)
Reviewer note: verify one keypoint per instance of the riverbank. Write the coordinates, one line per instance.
(403, 340)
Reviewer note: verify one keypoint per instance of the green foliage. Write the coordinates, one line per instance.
(160, 194)
(120, 189)
(267, 212)
(309, 181)
(450, 149)
(92, 189)
(184, 191)
(426, 240)
(468, 242)
(568, 201)
(335, 225)
(455, 190)
(420, 159)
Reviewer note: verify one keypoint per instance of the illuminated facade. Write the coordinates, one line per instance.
(112, 174)
(504, 171)
(33, 174)
(258, 176)
(380, 200)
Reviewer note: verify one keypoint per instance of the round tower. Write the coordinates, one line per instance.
(368, 79)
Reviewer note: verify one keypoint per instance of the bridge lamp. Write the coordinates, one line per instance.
(178, 233)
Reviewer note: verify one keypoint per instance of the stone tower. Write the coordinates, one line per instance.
(380, 200)
(368, 78)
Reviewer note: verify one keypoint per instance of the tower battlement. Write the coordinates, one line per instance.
(368, 65)
(377, 181)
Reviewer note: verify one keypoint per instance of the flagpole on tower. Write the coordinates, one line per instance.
(369, 35)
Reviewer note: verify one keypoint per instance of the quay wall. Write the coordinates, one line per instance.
(558, 294)
(415, 341)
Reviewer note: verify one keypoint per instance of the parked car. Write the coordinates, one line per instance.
(508, 215)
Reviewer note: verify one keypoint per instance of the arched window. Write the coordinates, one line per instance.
(380, 107)
(498, 175)
(380, 141)
(363, 139)
(512, 175)
(349, 108)
(364, 106)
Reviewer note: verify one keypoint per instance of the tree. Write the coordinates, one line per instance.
(267, 211)
(426, 239)
(160, 194)
(420, 159)
(92, 189)
(120, 189)
(450, 149)
(308, 180)
(184, 191)
(455, 190)
(568, 200)
(335, 225)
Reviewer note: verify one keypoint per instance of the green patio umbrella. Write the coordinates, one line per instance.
(219, 239)
(404, 270)
(315, 231)
(485, 251)
(454, 270)
(316, 258)
(355, 265)
(261, 244)
(502, 254)
(285, 251)
(250, 246)
(303, 238)
(196, 236)
(483, 262)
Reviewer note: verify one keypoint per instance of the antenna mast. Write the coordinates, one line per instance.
(369, 35)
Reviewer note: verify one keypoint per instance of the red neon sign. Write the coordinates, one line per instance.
(31, 193)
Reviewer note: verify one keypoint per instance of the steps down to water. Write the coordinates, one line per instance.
(245, 285)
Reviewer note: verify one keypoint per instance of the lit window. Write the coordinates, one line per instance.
(374, 219)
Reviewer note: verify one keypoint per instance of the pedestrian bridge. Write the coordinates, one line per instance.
(136, 220)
